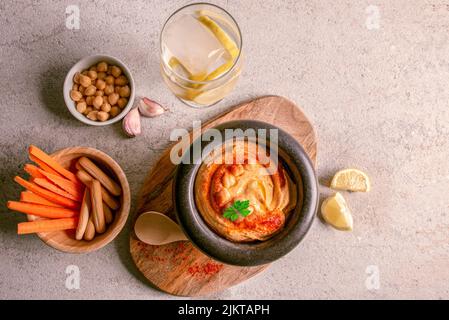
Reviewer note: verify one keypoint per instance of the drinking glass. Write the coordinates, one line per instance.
(201, 54)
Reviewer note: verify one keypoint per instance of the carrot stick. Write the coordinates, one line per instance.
(33, 171)
(44, 183)
(27, 196)
(43, 166)
(51, 196)
(41, 210)
(41, 155)
(47, 225)
(63, 183)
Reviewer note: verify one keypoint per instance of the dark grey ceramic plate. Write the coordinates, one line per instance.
(297, 225)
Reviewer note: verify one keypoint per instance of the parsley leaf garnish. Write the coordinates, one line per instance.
(236, 209)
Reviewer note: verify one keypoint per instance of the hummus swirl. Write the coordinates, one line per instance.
(271, 194)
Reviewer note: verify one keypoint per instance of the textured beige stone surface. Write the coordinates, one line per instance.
(378, 98)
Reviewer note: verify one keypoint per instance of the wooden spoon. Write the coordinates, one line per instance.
(157, 229)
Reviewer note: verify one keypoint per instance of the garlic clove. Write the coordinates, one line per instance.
(149, 108)
(131, 123)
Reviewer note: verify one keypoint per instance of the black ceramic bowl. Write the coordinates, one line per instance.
(301, 170)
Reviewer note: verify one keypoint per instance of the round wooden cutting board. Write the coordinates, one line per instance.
(179, 268)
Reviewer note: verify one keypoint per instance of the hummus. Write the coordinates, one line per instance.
(271, 193)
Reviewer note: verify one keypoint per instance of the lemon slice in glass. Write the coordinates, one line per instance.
(351, 180)
(198, 92)
(221, 36)
(175, 64)
(335, 212)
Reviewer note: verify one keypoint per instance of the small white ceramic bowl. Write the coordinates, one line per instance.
(84, 64)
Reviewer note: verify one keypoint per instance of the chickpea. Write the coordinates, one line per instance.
(76, 95)
(109, 80)
(84, 73)
(114, 111)
(92, 115)
(75, 87)
(110, 70)
(97, 103)
(102, 67)
(124, 92)
(237, 169)
(116, 71)
(90, 90)
(101, 75)
(222, 197)
(85, 81)
(113, 98)
(116, 89)
(81, 107)
(106, 107)
(100, 84)
(122, 102)
(99, 93)
(228, 180)
(102, 116)
(121, 80)
(90, 100)
(92, 74)
(109, 89)
(81, 89)
(82, 100)
(88, 110)
(76, 78)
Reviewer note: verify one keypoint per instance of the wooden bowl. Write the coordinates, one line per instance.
(65, 240)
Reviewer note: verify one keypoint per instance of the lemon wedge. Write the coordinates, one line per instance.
(335, 212)
(351, 180)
